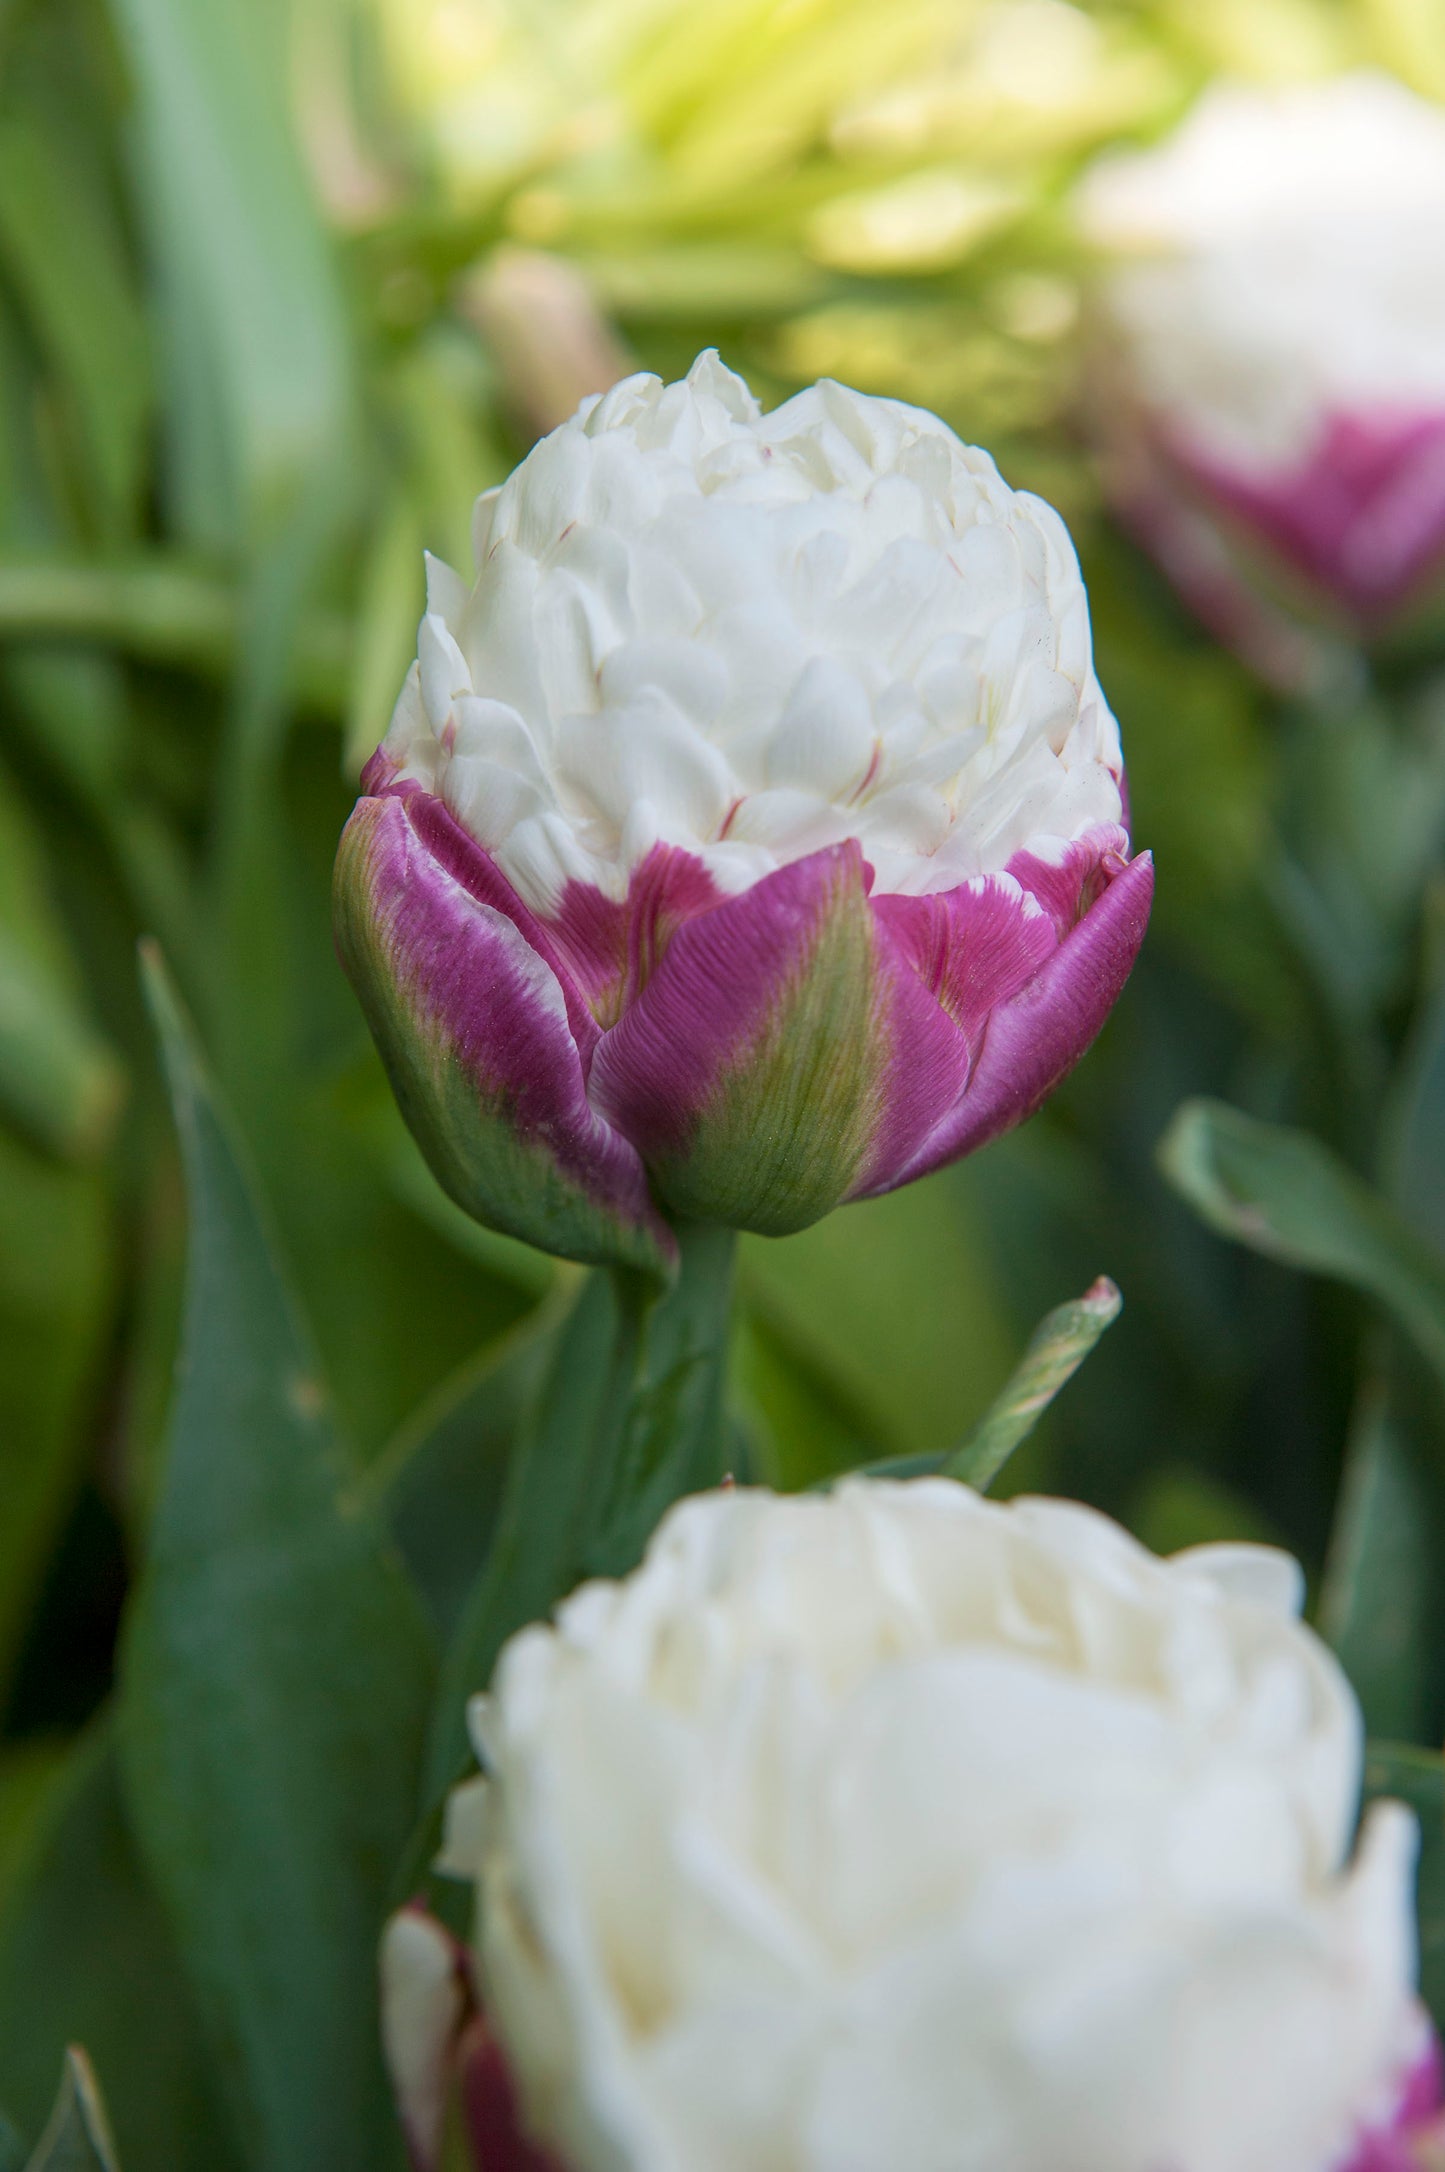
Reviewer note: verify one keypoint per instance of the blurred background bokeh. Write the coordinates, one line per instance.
(283, 285)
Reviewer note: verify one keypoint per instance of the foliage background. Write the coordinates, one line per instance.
(283, 283)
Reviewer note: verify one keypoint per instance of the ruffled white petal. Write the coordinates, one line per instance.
(748, 635)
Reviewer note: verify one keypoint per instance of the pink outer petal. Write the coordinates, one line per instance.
(1363, 517)
(425, 1999)
(783, 1052)
(1032, 1039)
(612, 946)
(457, 853)
(489, 2104)
(1414, 2139)
(483, 1036)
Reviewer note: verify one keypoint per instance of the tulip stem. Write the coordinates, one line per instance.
(629, 1418)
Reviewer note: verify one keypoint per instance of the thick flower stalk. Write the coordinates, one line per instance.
(750, 836)
(901, 1828)
(1271, 396)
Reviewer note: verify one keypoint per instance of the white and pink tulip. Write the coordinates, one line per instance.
(901, 1828)
(750, 836)
(1270, 395)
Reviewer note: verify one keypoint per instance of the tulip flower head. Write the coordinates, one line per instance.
(1272, 312)
(903, 1828)
(750, 836)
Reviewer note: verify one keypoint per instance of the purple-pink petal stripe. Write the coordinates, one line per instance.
(1032, 1040)
(479, 976)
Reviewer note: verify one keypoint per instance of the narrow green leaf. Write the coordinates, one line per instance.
(391, 599)
(59, 1081)
(1415, 1125)
(78, 292)
(439, 1481)
(1379, 1607)
(12, 2149)
(77, 2137)
(1055, 1351)
(1417, 1777)
(1057, 1348)
(162, 610)
(276, 1676)
(85, 1955)
(262, 369)
(1284, 1194)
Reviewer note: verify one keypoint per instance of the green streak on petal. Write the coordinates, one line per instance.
(465, 1126)
(787, 1129)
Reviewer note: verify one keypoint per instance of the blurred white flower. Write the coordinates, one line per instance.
(898, 1828)
(1273, 310)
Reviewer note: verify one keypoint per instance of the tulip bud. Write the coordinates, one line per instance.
(898, 1827)
(750, 837)
(1271, 320)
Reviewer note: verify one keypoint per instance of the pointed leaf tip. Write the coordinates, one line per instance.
(77, 2135)
(1057, 1348)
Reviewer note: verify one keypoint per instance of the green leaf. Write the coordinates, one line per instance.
(77, 292)
(77, 2137)
(262, 391)
(1417, 1777)
(1057, 1348)
(12, 2149)
(391, 599)
(439, 1482)
(630, 1417)
(1285, 1195)
(56, 1278)
(1415, 1124)
(85, 1955)
(1379, 1606)
(59, 1081)
(276, 1676)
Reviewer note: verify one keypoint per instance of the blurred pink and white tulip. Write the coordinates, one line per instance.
(900, 1828)
(1271, 390)
(750, 836)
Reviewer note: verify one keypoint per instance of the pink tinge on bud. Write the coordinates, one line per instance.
(1413, 2140)
(425, 1999)
(489, 2105)
(447, 2069)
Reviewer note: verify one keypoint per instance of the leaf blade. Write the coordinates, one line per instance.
(276, 1675)
(77, 2137)
(1284, 1194)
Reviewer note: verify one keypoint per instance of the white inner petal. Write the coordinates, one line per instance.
(752, 635)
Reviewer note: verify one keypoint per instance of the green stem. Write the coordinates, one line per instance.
(630, 1418)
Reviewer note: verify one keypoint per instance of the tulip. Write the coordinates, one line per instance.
(1271, 318)
(898, 1827)
(750, 837)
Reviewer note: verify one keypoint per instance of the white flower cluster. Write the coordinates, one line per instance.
(1278, 261)
(751, 636)
(902, 1829)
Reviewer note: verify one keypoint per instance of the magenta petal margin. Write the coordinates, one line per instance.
(1413, 2138)
(753, 1059)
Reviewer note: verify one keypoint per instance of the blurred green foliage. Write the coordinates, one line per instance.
(283, 284)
